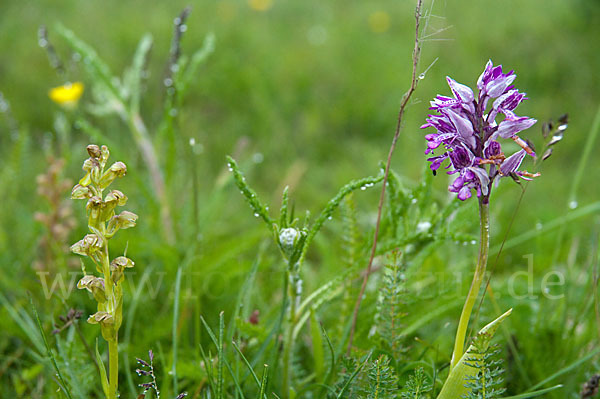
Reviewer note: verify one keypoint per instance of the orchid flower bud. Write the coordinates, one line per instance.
(95, 285)
(117, 169)
(87, 246)
(94, 151)
(81, 192)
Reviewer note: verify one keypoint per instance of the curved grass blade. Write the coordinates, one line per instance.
(61, 381)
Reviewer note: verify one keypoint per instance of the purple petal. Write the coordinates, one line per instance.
(512, 163)
(462, 92)
(497, 86)
(492, 148)
(463, 127)
(437, 161)
(482, 176)
(464, 193)
(509, 127)
(483, 78)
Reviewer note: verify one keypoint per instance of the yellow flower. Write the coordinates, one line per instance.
(379, 21)
(67, 95)
(260, 5)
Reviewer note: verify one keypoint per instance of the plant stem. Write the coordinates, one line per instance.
(484, 246)
(294, 296)
(413, 86)
(113, 368)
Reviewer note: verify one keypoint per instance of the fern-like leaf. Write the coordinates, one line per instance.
(390, 307)
(383, 382)
(417, 386)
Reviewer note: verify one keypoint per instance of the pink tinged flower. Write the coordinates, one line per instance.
(512, 163)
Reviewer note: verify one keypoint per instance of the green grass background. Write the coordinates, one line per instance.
(315, 114)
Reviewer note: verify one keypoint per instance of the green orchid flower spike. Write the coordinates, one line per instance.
(103, 223)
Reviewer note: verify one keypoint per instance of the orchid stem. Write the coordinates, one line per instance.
(113, 368)
(484, 245)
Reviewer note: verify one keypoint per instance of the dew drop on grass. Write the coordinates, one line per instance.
(413, 201)
(329, 217)
(182, 28)
(363, 188)
(256, 214)
(538, 226)
(573, 204)
(257, 157)
(192, 141)
(173, 112)
(168, 82)
(473, 242)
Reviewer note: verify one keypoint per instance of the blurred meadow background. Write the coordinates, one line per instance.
(304, 94)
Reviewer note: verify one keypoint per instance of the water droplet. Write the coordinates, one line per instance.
(538, 226)
(413, 201)
(363, 188)
(182, 28)
(168, 82)
(43, 42)
(423, 227)
(174, 68)
(177, 21)
(330, 217)
(573, 204)
(317, 35)
(473, 242)
(465, 243)
(173, 112)
(192, 141)
(422, 76)
(257, 157)
(76, 57)
(256, 214)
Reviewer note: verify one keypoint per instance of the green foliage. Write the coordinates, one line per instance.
(417, 385)
(391, 307)
(486, 383)
(299, 109)
(383, 382)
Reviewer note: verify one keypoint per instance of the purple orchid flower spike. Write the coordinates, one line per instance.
(467, 132)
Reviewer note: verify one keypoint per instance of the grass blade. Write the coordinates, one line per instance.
(566, 369)
(534, 394)
(61, 381)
